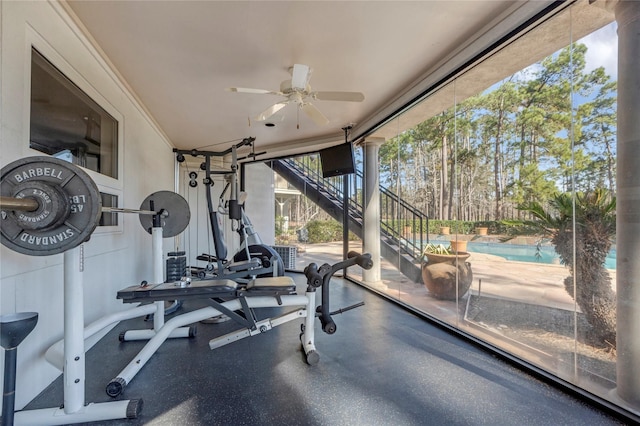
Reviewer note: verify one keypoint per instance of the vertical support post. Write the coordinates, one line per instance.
(158, 273)
(74, 354)
(628, 202)
(345, 218)
(14, 328)
(345, 206)
(9, 386)
(371, 205)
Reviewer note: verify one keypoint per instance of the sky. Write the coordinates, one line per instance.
(603, 50)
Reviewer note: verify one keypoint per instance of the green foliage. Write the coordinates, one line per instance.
(581, 227)
(325, 231)
(514, 228)
(280, 225)
(455, 226)
(400, 225)
(502, 227)
(519, 142)
(436, 249)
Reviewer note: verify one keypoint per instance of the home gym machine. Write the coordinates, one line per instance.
(254, 259)
(225, 297)
(50, 206)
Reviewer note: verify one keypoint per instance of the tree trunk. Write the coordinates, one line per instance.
(444, 180)
(592, 291)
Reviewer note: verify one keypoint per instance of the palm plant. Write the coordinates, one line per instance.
(583, 245)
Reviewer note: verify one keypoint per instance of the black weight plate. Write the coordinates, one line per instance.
(260, 251)
(53, 205)
(72, 227)
(176, 207)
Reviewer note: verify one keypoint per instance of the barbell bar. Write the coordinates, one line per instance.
(22, 204)
(49, 206)
(31, 205)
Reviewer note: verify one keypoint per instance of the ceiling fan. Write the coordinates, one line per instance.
(298, 91)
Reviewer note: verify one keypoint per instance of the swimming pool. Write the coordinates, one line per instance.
(523, 253)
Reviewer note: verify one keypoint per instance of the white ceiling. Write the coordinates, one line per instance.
(178, 57)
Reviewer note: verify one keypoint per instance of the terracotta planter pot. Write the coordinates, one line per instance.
(482, 231)
(451, 258)
(444, 278)
(459, 246)
(444, 230)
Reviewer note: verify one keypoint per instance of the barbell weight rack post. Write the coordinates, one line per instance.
(49, 206)
(74, 410)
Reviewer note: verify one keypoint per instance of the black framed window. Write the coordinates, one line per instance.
(66, 123)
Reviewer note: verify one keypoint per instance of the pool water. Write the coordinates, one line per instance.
(524, 253)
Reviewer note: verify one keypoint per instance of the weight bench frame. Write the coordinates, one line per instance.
(271, 292)
(259, 293)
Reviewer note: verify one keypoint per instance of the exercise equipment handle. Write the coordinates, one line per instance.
(314, 278)
(362, 260)
(326, 272)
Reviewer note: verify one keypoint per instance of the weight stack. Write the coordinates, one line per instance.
(176, 265)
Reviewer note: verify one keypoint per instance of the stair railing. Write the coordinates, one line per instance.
(401, 223)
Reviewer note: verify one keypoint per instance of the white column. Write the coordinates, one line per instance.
(371, 229)
(628, 202)
(73, 372)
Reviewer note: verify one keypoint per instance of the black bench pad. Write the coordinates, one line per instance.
(173, 291)
(270, 286)
(203, 289)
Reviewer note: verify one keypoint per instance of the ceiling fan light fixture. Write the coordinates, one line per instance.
(297, 91)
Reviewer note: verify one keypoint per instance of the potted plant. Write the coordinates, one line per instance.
(482, 230)
(445, 273)
(444, 230)
(458, 246)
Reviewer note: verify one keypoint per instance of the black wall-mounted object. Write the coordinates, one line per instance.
(337, 160)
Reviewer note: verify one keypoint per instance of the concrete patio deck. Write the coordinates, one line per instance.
(493, 276)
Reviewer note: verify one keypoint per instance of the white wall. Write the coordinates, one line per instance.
(260, 189)
(115, 257)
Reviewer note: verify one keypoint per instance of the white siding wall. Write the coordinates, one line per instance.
(260, 188)
(113, 258)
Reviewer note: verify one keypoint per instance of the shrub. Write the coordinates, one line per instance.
(324, 231)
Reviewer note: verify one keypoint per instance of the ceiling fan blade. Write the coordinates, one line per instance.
(253, 91)
(338, 96)
(300, 76)
(315, 114)
(264, 115)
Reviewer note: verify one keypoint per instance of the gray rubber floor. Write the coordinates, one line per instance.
(384, 366)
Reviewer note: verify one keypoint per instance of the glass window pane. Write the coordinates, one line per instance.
(109, 219)
(67, 124)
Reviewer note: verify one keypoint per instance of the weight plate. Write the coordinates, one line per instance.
(177, 211)
(175, 268)
(69, 211)
(53, 206)
(261, 251)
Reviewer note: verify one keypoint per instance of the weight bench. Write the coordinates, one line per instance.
(226, 297)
